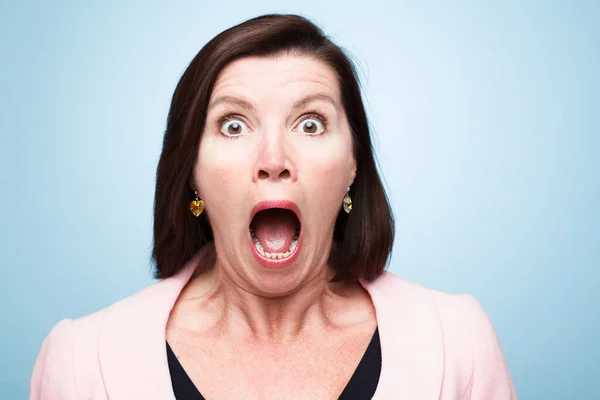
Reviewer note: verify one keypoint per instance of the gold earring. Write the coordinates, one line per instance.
(196, 205)
(347, 202)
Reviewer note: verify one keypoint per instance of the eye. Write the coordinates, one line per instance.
(312, 125)
(233, 127)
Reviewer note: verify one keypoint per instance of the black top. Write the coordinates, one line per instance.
(361, 386)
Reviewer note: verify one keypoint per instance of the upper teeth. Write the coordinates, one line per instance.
(275, 256)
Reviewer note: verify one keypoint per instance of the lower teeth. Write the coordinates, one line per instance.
(274, 256)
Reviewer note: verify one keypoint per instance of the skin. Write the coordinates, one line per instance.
(242, 330)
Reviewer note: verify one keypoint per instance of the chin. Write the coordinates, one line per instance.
(277, 282)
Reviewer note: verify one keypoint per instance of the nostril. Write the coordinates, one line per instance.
(262, 174)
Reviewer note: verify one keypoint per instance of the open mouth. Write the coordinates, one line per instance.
(275, 234)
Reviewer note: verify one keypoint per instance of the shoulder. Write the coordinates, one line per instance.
(450, 308)
(462, 319)
(88, 326)
(134, 309)
(392, 290)
(67, 364)
(448, 317)
(68, 350)
(473, 362)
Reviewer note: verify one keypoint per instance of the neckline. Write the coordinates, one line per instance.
(365, 377)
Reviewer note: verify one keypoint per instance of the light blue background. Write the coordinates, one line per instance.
(486, 127)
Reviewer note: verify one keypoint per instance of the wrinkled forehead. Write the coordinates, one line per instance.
(279, 77)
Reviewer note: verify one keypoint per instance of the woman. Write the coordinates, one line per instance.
(271, 234)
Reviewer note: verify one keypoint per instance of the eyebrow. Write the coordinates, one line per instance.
(232, 100)
(303, 102)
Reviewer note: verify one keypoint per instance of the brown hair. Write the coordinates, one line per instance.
(362, 239)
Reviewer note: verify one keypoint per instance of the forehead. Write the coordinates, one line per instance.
(282, 75)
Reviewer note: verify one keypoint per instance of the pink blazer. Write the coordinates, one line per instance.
(434, 345)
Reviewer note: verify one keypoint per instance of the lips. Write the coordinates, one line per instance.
(275, 233)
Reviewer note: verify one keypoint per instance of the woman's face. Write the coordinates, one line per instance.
(276, 137)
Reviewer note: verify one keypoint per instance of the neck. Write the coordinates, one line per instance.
(282, 318)
(239, 310)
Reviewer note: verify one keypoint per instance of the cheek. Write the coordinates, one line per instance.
(219, 174)
(327, 170)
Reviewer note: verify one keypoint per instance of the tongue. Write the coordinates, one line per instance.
(275, 229)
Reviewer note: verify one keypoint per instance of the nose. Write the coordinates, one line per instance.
(273, 161)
